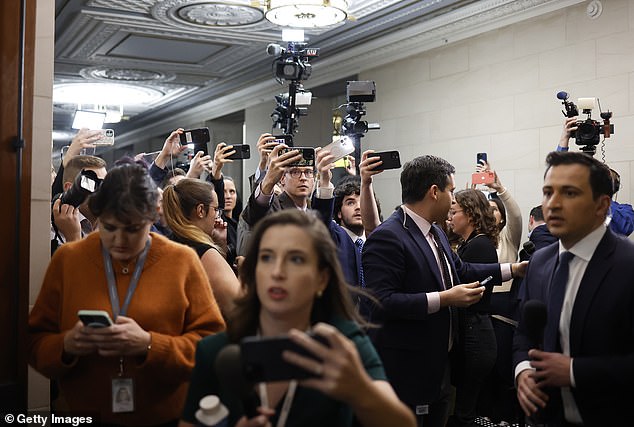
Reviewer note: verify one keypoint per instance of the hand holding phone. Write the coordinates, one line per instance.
(390, 159)
(242, 152)
(308, 156)
(481, 158)
(487, 177)
(263, 362)
(106, 137)
(340, 148)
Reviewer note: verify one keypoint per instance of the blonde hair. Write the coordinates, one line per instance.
(179, 204)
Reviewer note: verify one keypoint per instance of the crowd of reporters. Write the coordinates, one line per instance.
(304, 254)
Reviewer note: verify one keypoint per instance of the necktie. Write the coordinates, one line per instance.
(556, 301)
(447, 283)
(359, 246)
(443, 258)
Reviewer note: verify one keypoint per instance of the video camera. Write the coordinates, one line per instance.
(292, 63)
(358, 92)
(588, 134)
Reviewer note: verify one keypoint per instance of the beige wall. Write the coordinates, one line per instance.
(41, 172)
(496, 93)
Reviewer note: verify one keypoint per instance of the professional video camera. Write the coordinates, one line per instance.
(358, 92)
(86, 182)
(588, 134)
(291, 64)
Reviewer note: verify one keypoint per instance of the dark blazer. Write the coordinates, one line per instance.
(399, 269)
(541, 237)
(601, 329)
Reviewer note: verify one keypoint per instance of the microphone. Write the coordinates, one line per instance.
(560, 95)
(534, 318)
(274, 49)
(528, 248)
(229, 370)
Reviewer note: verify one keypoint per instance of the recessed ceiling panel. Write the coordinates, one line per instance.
(165, 50)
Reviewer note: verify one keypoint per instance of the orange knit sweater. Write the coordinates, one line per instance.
(173, 301)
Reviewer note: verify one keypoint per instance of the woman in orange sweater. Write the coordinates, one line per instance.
(157, 294)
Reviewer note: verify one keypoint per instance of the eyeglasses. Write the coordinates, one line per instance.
(453, 212)
(296, 173)
(218, 211)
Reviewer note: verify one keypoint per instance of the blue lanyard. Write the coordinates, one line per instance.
(112, 282)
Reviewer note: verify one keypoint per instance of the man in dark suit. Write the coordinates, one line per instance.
(584, 375)
(538, 230)
(410, 268)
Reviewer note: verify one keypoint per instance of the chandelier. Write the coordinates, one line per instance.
(306, 13)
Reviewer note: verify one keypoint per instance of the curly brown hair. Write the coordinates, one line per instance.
(476, 207)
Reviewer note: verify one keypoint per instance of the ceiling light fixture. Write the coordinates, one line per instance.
(104, 94)
(306, 13)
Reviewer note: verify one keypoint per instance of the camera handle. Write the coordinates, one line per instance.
(292, 94)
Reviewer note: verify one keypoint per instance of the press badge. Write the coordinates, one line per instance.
(122, 395)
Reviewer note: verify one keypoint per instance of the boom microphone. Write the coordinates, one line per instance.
(560, 95)
(275, 49)
(228, 367)
(534, 318)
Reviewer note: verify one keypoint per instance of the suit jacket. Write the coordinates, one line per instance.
(399, 269)
(541, 237)
(601, 330)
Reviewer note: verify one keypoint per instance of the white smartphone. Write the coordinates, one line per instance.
(95, 318)
(340, 148)
(107, 137)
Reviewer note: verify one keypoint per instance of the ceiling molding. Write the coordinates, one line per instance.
(468, 21)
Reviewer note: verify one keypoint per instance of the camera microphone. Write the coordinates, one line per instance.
(274, 49)
(229, 370)
(534, 319)
(562, 95)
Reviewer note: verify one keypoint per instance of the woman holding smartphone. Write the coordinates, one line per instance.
(293, 283)
(472, 219)
(160, 309)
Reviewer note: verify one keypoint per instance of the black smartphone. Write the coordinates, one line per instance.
(284, 139)
(195, 136)
(481, 158)
(95, 318)
(308, 156)
(390, 159)
(242, 151)
(262, 358)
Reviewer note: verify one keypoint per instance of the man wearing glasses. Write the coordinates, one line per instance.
(297, 184)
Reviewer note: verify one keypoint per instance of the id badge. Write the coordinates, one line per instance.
(122, 395)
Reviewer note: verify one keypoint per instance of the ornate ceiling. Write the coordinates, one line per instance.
(205, 59)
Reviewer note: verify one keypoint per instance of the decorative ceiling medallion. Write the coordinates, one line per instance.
(204, 14)
(212, 14)
(123, 74)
